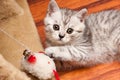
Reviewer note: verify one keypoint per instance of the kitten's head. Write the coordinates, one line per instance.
(63, 25)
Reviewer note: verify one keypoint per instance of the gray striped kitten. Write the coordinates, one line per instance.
(75, 39)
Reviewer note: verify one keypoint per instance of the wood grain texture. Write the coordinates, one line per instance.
(101, 72)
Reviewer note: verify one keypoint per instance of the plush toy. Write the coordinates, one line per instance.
(39, 65)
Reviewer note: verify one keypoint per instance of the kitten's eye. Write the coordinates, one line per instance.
(56, 27)
(70, 30)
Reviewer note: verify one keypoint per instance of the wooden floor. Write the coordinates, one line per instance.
(101, 72)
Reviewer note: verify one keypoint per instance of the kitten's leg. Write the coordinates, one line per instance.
(79, 56)
(61, 53)
(73, 54)
(63, 57)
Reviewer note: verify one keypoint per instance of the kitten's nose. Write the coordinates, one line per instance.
(61, 36)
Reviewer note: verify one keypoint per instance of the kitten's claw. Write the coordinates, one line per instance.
(51, 56)
(49, 52)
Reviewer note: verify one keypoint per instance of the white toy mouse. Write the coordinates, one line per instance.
(39, 65)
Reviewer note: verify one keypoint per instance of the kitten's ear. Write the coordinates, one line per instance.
(81, 14)
(52, 7)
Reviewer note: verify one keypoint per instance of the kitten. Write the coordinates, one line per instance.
(75, 40)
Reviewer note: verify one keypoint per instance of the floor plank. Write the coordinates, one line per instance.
(101, 72)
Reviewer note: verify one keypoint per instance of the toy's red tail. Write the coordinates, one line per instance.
(56, 75)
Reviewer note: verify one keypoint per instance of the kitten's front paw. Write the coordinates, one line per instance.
(50, 52)
(53, 52)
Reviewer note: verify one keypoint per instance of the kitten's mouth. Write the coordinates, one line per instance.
(61, 41)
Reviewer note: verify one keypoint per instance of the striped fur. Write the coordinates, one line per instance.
(95, 38)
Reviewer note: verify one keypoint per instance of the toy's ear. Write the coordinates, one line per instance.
(81, 14)
(52, 7)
